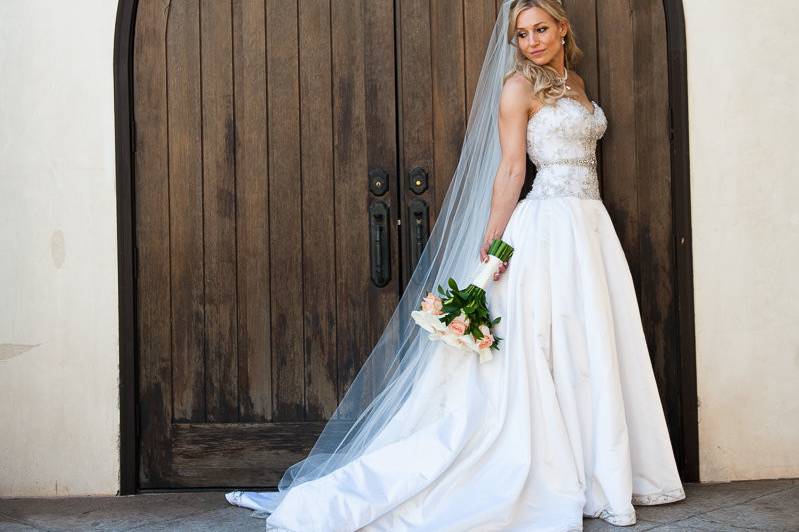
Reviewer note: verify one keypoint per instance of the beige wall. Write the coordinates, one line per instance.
(59, 358)
(744, 138)
(58, 324)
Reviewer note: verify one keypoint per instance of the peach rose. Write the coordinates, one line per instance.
(459, 325)
(433, 304)
(487, 340)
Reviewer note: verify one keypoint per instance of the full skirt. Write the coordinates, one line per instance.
(564, 422)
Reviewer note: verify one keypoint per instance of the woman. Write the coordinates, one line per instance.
(566, 420)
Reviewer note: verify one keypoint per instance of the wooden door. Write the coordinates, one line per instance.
(626, 69)
(438, 72)
(256, 126)
(290, 159)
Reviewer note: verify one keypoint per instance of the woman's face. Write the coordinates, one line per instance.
(539, 35)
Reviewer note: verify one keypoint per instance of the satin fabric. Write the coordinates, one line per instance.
(564, 422)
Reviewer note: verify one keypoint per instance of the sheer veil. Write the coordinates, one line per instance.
(403, 350)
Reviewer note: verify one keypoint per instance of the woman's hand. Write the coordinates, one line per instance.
(484, 257)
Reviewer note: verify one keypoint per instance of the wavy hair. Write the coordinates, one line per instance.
(547, 84)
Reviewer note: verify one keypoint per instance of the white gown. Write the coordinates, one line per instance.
(564, 422)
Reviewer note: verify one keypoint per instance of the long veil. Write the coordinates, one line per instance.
(403, 350)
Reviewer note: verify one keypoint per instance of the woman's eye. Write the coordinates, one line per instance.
(542, 29)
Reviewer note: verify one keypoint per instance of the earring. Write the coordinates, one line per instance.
(562, 40)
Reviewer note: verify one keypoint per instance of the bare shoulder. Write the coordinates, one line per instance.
(577, 82)
(517, 97)
(574, 77)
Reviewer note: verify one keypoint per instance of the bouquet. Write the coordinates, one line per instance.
(460, 317)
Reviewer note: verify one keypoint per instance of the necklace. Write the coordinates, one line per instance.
(564, 78)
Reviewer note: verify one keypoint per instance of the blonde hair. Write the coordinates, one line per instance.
(547, 84)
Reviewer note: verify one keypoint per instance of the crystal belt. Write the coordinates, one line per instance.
(590, 161)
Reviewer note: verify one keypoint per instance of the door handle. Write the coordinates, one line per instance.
(419, 230)
(379, 243)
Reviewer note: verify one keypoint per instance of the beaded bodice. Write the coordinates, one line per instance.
(561, 142)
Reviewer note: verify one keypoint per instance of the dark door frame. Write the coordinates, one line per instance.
(681, 205)
(124, 135)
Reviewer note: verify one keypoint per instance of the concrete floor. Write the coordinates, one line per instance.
(748, 505)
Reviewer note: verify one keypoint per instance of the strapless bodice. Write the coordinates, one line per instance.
(561, 142)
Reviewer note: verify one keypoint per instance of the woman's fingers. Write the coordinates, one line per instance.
(502, 267)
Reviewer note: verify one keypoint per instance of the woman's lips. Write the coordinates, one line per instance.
(538, 52)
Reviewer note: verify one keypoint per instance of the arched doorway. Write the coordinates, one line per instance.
(229, 125)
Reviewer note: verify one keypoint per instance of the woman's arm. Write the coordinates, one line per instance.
(514, 107)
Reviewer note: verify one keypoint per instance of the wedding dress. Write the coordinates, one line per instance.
(564, 422)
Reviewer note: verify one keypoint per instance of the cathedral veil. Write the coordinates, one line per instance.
(400, 356)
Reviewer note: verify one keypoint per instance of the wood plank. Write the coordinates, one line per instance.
(619, 148)
(416, 128)
(658, 294)
(219, 212)
(448, 93)
(479, 17)
(687, 441)
(238, 455)
(285, 211)
(350, 170)
(318, 210)
(253, 263)
(382, 153)
(151, 192)
(583, 17)
(186, 210)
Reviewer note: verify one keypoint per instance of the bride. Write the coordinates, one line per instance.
(565, 422)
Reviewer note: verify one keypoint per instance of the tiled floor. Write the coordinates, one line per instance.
(771, 505)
